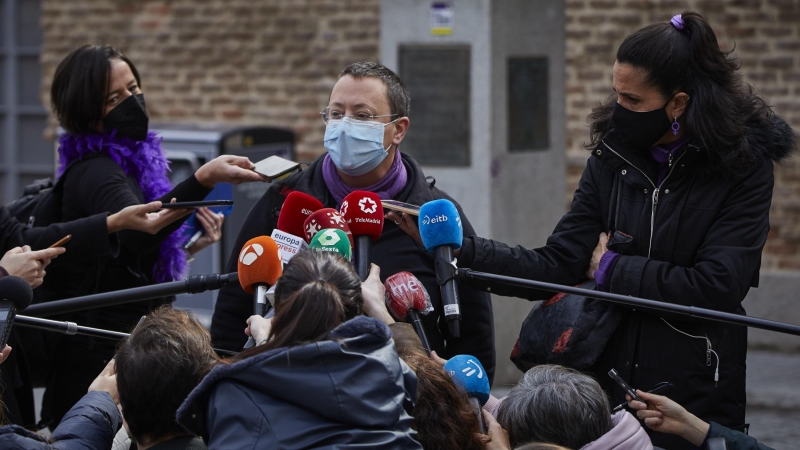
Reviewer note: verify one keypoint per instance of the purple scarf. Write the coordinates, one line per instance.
(144, 161)
(387, 188)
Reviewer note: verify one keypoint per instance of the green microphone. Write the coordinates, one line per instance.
(331, 240)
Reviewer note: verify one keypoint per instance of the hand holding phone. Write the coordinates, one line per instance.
(61, 241)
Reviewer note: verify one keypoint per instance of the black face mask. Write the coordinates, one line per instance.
(640, 130)
(129, 118)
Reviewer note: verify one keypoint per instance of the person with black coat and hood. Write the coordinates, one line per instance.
(367, 96)
(680, 176)
(323, 376)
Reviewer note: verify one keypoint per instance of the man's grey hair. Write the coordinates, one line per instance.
(399, 100)
(557, 405)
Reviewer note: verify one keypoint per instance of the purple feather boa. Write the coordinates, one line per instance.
(144, 161)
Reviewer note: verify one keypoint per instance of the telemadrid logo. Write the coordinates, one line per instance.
(343, 209)
(250, 254)
(368, 205)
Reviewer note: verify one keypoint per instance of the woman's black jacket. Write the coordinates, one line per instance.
(99, 185)
(705, 251)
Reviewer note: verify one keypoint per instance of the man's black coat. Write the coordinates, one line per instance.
(393, 252)
(707, 236)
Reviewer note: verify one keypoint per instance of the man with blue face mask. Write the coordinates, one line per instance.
(365, 120)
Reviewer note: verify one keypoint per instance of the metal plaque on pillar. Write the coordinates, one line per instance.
(438, 80)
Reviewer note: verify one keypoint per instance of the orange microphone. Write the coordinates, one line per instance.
(260, 266)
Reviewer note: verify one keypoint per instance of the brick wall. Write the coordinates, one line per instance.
(266, 62)
(767, 38)
(274, 62)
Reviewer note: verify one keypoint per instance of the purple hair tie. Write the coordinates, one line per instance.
(677, 21)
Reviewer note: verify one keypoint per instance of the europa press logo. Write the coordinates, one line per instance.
(469, 371)
(367, 205)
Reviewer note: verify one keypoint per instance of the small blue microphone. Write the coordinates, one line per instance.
(440, 224)
(467, 372)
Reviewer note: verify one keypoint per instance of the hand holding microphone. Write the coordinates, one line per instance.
(363, 212)
(260, 266)
(469, 374)
(407, 298)
(441, 233)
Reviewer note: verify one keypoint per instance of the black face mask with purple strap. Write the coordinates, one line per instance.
(129, 118)
(640, 130)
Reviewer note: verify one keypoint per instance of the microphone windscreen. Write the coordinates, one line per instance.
(404, 292)
(332, 240)
(440, 224)
(17, 291)
(468, 373)
(322, 219)
(295, 210)
(260, 262)
(364, 213)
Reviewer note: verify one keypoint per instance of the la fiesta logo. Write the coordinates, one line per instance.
(328, 238)
(367, 205)
(251, 253)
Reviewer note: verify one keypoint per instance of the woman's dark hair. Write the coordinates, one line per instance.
(316, 292)
(557, 405)
(157, 367)
(721, 107)
(80, 87)
(443, 416)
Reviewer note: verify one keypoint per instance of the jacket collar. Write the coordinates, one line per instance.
(311, 181)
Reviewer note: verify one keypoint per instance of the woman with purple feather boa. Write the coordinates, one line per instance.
(115, 162)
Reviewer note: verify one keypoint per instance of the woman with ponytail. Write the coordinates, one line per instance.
(111, 161)
(322, 376)
(678, 189)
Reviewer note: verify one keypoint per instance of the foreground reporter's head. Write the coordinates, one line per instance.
(557, 405)
(157, 366)
(316, 293)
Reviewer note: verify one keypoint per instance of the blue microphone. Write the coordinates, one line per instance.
(467, 372)
(441, 232)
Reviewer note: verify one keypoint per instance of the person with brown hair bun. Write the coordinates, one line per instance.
(323, 376)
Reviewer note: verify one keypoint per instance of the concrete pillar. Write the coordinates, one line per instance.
(509, 192)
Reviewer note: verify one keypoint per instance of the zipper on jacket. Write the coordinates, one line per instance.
(656, 190)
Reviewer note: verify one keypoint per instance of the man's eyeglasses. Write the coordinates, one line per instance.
(363, 115)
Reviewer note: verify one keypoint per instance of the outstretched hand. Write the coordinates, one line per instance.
(212, 229)
(258, 328)
(666, 416)
(107, 382)
(29, 265)
(497, 437)
(144, 218)
(227, 169)
(374, 294)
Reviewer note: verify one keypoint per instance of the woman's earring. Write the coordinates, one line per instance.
(675, 127)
